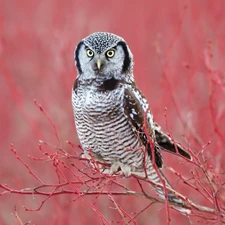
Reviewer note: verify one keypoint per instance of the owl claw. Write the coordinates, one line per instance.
(117, 166)
(85, 155)
(126, 169)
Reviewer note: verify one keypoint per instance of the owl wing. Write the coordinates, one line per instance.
(166, 143)
(135, 107)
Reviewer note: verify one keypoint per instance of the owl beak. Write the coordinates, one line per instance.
(99, 63)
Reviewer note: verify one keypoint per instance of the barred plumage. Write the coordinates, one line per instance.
(109, 110)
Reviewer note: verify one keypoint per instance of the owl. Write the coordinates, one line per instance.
(112, 116)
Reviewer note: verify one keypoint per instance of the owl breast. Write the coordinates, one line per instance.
(103, 127)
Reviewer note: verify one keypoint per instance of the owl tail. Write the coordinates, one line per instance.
(177, 203)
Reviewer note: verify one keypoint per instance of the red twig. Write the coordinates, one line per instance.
(50, 120)
(27, 167)
(152, 147)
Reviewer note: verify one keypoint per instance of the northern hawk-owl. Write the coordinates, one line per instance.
(112, 116)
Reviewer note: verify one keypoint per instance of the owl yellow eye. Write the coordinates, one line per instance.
(90, 53)
(110, 53)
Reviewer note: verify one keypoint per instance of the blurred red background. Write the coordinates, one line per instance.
(179, 53)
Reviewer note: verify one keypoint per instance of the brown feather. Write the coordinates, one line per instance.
(167, 144)
(135, 115)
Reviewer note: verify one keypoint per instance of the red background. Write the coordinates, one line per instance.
(179, 53)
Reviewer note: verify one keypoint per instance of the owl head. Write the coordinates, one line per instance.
(103, 56)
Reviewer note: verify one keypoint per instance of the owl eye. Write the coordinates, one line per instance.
(110, 53)
(90, 53)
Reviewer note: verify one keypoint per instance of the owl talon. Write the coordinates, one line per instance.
(81, 156)
(126, 169)
(85, 155)
(117, 166)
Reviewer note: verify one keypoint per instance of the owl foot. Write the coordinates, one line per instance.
(118, 166)
(85, 155)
